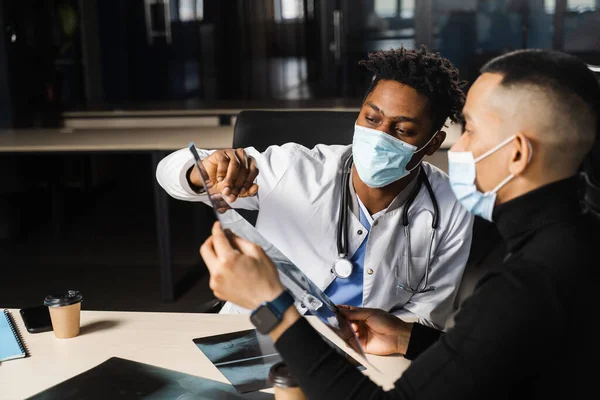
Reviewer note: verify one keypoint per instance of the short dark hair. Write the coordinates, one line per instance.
(562, 73)
(426, 72)
(566, 76)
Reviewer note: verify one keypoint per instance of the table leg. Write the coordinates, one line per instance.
(57, 200)
(161, 200)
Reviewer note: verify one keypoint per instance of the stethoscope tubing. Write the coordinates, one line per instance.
(342, 231)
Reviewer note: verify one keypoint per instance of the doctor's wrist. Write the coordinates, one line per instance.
(193, 179)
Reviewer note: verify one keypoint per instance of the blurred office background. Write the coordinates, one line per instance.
(104, 64)
(74, 55)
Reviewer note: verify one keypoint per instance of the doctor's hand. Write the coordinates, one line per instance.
(233, 171)
(379, 332)
(240, 271)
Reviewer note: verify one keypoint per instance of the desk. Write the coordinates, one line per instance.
(161, 339)
(110, 139)
(157, 142)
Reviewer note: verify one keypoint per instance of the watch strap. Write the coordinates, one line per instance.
(281, 303)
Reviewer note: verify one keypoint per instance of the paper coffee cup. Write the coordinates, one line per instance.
(65, 312)
(284, 384)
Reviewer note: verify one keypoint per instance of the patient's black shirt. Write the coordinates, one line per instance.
(525, 332)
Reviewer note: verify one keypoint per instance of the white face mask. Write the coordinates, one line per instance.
(462, 172)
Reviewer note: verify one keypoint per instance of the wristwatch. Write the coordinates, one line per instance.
(269, 314)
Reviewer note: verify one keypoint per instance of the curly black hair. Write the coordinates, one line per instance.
(428, 73)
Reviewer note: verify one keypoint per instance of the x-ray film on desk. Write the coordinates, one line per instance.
(245, 357)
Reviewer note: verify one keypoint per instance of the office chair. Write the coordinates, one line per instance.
(261, 129)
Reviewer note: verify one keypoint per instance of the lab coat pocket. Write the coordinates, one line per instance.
(410, 274)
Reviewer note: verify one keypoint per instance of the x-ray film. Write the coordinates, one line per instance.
(296, 282)
(245, 357)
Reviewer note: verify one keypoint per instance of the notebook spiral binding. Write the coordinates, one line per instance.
(15, 329)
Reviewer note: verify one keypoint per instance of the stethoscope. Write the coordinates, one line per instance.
(343, 267)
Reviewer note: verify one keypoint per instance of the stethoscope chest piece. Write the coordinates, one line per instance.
(342, 267)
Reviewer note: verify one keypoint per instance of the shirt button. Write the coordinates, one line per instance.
(370, 271)
(374, 223)
(359, 232)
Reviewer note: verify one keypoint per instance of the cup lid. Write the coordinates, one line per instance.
(63, 299)
(279, 375)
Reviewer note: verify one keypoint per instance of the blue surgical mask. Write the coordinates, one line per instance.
(381, 159)
(462, 172)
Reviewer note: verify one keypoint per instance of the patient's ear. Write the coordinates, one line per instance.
(521, 153)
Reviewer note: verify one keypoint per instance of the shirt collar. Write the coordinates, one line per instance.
(398, 201)
(555, 202)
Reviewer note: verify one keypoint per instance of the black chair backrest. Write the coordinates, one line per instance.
(261, 129)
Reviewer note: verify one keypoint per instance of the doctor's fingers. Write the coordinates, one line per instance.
(248, 187)
(222, 159)
(236, 169)
(245, 177)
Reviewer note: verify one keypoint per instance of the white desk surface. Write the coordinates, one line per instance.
(160, 339)
(67, 140)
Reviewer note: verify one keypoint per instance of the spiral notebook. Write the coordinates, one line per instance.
(11, 343)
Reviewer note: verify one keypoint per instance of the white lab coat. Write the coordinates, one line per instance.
(299, 201)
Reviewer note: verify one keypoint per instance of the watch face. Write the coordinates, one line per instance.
(264, 319)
